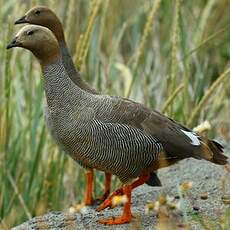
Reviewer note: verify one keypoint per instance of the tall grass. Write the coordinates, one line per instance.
(171, 55)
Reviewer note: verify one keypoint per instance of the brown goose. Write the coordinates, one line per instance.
(41, 15)
(112, 134)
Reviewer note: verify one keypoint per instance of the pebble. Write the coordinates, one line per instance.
(196, 208)
(204, 196)
(226, 198)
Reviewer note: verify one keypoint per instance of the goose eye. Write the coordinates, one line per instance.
(30, 32)
(37, 12)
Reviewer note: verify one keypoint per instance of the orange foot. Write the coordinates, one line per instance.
(127, 215)
(108, 202)
(117, 220)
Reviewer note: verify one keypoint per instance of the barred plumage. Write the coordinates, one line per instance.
(85, 126)
(112, 134)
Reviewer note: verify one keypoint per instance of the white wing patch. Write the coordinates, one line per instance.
(192, 136)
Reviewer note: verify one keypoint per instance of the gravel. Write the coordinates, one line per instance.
(206, 178)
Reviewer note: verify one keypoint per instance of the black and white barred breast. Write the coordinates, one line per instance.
(120, 149)
(83, 125)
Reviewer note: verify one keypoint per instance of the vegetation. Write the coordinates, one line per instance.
(171, 55)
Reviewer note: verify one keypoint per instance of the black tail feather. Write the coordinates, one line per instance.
(217, 150)
(154, 180)
(218, 145)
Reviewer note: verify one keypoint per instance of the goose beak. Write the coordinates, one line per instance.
(14, 43)
(21, 20)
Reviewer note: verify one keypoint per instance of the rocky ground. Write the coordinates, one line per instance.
(206, 178)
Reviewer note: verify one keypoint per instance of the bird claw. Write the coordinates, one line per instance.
(90, 201)
(108, 202)
(116, 220)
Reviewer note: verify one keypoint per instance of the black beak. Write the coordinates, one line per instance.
(14, 43)
(21, 20)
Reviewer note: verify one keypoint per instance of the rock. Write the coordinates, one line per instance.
(226, 198)
(204, 196)
(196, 208)
(206, 177)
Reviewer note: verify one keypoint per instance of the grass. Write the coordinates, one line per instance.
(170, 55)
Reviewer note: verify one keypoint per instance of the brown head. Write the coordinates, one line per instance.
(43, 16)
(40, 41)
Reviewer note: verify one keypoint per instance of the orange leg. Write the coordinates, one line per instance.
(108, 178)
(89, 188)
(140, 181)
(108, 202)
(127, 215)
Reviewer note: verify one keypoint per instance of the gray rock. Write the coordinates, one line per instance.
(206, 177)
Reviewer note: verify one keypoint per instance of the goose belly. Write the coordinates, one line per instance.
(122, 151)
